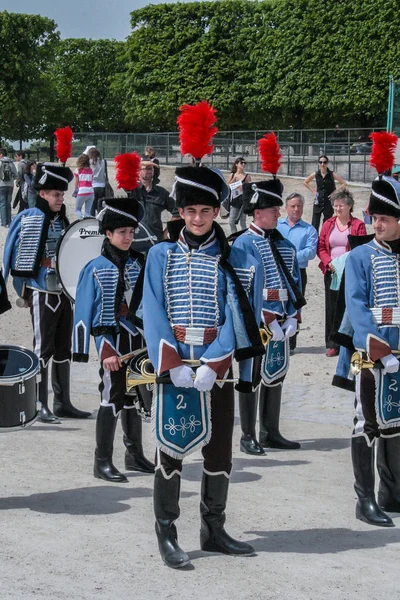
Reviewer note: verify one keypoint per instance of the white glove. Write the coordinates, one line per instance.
(205, 378)
(182, 376)
(390, 363)
(277, 334)
(289, 327)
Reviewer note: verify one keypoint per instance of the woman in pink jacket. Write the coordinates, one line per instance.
(333, 243)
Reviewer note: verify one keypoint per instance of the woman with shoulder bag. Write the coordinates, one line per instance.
(235, 181)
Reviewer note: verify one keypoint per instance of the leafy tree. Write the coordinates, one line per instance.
(82, 73)
(263, 64)
(27, 46)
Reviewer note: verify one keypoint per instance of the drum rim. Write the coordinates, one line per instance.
(29, 374)
(19, 427)
(59, 242)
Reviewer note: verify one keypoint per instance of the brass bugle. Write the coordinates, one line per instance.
(357, 363)
(135, 379)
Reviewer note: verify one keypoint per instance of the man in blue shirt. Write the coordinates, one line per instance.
(302, 235)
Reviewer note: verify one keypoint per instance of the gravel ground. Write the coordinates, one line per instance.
(66, 535)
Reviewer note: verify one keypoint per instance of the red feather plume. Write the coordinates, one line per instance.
(196, 129)
(383, 149)
(270, 153)
(64, 137)
(127, 170)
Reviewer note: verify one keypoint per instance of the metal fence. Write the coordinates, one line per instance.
(347, 149)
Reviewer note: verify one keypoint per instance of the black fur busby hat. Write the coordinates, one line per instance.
(385, 194)
(267, 193)
(51, 176)
(119, 212)
(385, 197)
(262, 194)
(197, 185)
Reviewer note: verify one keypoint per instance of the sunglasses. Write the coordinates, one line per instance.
(242, 162)
(323, 162)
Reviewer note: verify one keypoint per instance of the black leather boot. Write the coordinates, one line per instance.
(105, 431)
(270, 408)
(248, 415)
(135, 460)
(45, 414)
(60, 375)
(367, 509)
(213, 537)
(388, 463)
(166, 510)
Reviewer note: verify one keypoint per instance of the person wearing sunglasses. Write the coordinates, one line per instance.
(235, 181)
(325, 183)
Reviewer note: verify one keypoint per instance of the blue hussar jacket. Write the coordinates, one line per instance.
(31, 240)
(192, 308)
(96, 312)
(372, 290)
(277, 300)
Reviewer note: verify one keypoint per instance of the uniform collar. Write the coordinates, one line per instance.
(206, 244)
(385, 246)
(274, 234)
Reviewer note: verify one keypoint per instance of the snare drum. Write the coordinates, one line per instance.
(19, 370)
(80, 243)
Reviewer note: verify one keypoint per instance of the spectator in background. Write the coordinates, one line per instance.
(83, 186)
(150, 155)
(303, 236)
(325, 184)
(332, 244)
(99, 169)
(235, 181)
(20, 165)
(154, 199)
(28, 191)
(8, 173)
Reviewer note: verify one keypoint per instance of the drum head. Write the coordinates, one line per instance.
(17, 363)
(79, 244)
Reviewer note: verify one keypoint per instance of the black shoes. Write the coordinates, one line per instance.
(213, 537)
(367, 509)
(270, 408)
(248, 416)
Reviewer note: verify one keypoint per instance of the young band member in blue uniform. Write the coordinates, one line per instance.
(282, 300)
(194, 309)
(101, 309)
(29, 257)
(372, 292)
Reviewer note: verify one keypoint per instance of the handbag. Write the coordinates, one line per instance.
(109, 192)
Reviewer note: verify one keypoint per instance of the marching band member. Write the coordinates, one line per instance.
(29, 256)
(101, 308)
(282, 300)
(372, 292)
(195, 308)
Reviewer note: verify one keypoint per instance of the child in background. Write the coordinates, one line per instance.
(84, 191)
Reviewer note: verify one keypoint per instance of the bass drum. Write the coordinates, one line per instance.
(19, 370)
(80, 243)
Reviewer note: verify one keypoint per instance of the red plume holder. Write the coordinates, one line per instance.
(64, 137)
(383, 150)
(127, 170)
(196, 129)
(270, 153)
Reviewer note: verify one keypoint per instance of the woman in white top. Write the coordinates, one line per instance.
(99, 168)
(235, 181)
